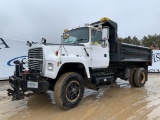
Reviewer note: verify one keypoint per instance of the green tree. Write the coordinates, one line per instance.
(127, 40)
(147, 41)
(135, 41)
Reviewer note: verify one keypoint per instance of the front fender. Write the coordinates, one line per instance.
(81, 60)
(59, 62)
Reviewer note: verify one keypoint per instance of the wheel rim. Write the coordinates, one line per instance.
(73, 91)
(143, 77)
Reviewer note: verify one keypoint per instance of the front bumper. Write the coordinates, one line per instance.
(20, 86)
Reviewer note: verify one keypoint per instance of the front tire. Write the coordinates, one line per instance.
(69, 90)
(140, 77)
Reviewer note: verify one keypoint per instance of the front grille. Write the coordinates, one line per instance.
(35, 59)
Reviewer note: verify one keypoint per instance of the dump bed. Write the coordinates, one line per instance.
(122, 52)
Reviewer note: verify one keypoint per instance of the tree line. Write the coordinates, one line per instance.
(152, 41)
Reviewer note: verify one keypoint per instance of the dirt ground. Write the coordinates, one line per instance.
(109, 103)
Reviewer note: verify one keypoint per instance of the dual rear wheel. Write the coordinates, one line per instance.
(138, 77)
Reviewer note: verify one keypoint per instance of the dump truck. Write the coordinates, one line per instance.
(88, 57)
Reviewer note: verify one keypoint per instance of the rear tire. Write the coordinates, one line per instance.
(140, 77)
(69, 90)
(114, 79)
(131, 78)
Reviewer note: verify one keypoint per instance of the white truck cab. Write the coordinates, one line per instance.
(83, 45)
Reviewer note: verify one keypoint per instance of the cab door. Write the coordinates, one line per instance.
(99, 50)
(99, 56)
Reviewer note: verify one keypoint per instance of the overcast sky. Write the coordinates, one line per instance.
(34, 19)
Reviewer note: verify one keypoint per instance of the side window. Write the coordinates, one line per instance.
(96, 36)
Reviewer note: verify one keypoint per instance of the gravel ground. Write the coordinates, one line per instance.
(109, 103)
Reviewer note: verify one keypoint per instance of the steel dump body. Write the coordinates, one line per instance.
(122, 52)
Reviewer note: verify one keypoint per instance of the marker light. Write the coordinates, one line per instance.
(56, 53)
(66, 30)
(58, 63)
(105, 19)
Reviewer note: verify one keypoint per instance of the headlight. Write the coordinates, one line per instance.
(50, 66)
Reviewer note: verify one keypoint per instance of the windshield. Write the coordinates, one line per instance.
(79, 35)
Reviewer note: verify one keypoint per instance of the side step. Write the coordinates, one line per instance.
(99, 79)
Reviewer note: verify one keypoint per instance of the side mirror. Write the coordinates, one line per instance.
(105, 34)
(65, 35)
(43, 41)
(100, 27)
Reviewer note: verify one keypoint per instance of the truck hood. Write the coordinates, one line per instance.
(64, 50)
